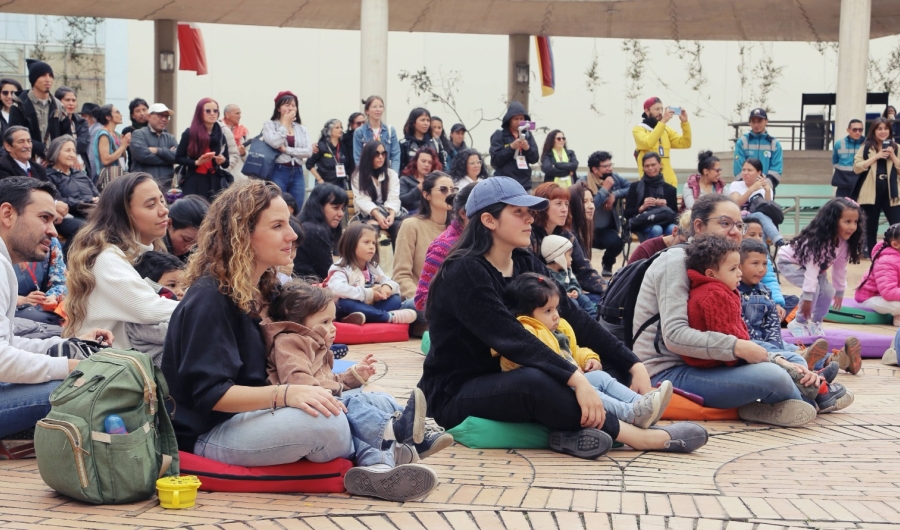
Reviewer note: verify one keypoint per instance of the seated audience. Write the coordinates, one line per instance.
(468, 167)
(879, 289)
(651, 203)
(651, 246)
(708, 179)
(609, 190)
(165, 274)
(420, 165)
(321, 220)
(74, 186)
(376, 190)
(185, 216)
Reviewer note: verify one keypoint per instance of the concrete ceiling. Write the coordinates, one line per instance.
(758, 20)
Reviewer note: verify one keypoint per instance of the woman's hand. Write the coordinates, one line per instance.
(204, 158)
(573, 294)
(126, 139)
(313, 400)
(836, 303)
(220, 159)
(35, 298)
(806, 308)
(750, 352)
(640, 379)
(282, 149)
(100, 335)
(592, 413)
(592, 364)
(50, 300)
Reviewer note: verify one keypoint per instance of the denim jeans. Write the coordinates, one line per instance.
(587, 304)
(22, 405)
(769, 229)
(732, 386)
(291, 180)
(655, 231)
(821, 299)
(378, 312)
(411, 304)
(368, 414)
(617, 398)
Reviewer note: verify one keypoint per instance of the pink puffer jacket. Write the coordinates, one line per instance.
(884, 281)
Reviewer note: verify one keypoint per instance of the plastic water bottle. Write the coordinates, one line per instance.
(114, 425)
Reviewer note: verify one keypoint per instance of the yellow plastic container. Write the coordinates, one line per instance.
(178, 492)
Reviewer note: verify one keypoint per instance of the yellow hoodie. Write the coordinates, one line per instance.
(647, 139)
(542, 332)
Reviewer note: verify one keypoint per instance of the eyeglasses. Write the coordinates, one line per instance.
(211, 111)
(379, 154)
(476, 163)
(855, 129)
(359, 123)
(8, 92)
(716, 169)
(445, 189)
(727, 223)
(563, 138)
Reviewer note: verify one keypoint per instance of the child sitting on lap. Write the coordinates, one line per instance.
(164, 273)
(557, 253)
(298, 334)
(535, 301)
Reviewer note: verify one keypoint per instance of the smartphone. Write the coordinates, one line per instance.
(676, 110)
(885, 144)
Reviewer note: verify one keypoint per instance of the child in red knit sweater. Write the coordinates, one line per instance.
(714, 269)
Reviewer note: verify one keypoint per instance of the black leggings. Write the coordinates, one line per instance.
(523, 395)
(873, 213)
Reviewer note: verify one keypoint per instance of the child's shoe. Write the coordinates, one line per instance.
(809, 392)
(830, 371)
(836, 398)
(339, 350)
(797, 329)
(436, 439)
(404, 316)
(409, 424)
(584, 443)
(815, 329)
(897, 321)
(890, 357)
(815, 353)
(651, 406)
(849, 357)
(354, 318)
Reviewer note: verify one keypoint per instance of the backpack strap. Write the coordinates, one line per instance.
(168, 444)
(652, 320)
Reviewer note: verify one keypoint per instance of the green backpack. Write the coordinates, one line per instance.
(76, 456)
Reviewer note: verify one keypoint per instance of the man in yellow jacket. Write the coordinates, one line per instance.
(652, 134)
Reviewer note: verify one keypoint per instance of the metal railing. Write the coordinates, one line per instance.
(796, 208)
(797, 132)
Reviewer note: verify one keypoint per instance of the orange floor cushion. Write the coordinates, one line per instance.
(683, 409)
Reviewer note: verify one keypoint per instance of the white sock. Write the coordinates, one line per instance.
(389, 432)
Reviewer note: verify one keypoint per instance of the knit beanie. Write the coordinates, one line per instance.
(554, 249)
(37, 69)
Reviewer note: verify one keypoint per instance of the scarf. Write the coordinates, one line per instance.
(560, 157)
(653, 186)
(649, 120)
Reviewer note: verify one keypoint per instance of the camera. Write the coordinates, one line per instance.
(885, 144)
(525, 126)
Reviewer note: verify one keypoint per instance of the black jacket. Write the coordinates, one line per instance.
(636, 196)
(452, 151)
(553, 169)
(10, 168)
(410, 194)
(211, 346)
(347, 147)
(22, 113)
(503, 157)
(588, 277)
(316, 254)
(195, 183)
(74, 189)
(467, 323)
(411, 144)
(327, 158)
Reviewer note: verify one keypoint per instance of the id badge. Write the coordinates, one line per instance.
(521, 163)
(662, 151)
(340, 171)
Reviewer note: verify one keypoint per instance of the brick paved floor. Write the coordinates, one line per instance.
(842, 471)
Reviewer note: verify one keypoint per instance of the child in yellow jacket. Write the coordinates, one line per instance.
(535, 301)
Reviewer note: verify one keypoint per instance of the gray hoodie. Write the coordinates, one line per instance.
(665, 290)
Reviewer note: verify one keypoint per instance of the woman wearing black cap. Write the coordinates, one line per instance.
(284, 133)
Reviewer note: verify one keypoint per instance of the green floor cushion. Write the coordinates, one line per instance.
(852, 312)
(426, 343)
(479, 433)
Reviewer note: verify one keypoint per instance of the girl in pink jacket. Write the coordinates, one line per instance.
(880, 287)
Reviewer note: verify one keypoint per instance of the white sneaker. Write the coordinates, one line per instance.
(403, 483)
(815, 329)
(797, 329)
(890, 357)
(404, 316)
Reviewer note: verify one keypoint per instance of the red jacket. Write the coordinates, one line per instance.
(713, 307)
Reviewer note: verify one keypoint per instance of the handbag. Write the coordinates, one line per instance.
(260, 162)
(770, 209)
(657, 215)
(109, 174)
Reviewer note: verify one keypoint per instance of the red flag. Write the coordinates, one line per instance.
(545, 65)
(192, 52)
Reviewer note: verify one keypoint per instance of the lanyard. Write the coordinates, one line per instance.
(31, 269)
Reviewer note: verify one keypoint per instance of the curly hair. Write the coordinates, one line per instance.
(818, 240)
(110, 224)
(223, 247)
(708, 251)
(459, 167)
(297, 300)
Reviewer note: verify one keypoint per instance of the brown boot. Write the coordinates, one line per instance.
(848, 357)
(815, 352)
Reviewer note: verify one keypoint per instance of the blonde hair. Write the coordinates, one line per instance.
(223, 247)
(684, 224)
(109, 224)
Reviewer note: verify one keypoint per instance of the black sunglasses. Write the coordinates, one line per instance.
(380, 153)
(211, 111)
(448, 189)
(8, 92)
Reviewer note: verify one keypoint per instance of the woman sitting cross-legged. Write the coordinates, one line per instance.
(468, 318)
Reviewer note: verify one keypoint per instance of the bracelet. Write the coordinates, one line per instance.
(274, 397)
(284, 396)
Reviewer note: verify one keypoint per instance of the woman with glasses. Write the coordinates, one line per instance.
(468, 167)
(557, 161)
(376, 190)
(202, 151)
(329, 164)
(9, 88)
(417, 233)
(284, 133)
(762, 391)
(423, 162)
(707, 179)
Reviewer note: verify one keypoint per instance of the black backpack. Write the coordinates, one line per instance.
(620, 299)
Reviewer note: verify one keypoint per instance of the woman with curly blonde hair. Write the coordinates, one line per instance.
(105, 291)
(215, 356)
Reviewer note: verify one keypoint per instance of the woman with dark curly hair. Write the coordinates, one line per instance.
(423, 162)
(832, 240)
(468, 167)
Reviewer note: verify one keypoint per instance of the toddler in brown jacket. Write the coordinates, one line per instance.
(389, 439)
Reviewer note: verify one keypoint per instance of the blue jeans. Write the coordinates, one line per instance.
(378, 312)
(369, 414)
(656, 231)
(769, 229)
(584, 302)
(291, 180)
(732, 386)
(22, 405)
(617, 398)
(789, 352)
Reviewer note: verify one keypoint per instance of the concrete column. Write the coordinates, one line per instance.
(165, 88)
(853, 62)
(373, 54)
(519, 55)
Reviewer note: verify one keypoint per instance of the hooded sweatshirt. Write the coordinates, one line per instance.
(503, 157)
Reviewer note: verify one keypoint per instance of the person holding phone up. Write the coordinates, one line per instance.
(653, 135)
(512, 150)
(878, 188)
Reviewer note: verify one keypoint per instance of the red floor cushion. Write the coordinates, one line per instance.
(299, 477)
(371, 333)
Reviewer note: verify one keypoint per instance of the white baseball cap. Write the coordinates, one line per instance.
(159, 108)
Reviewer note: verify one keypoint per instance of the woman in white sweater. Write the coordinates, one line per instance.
(104, 289)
